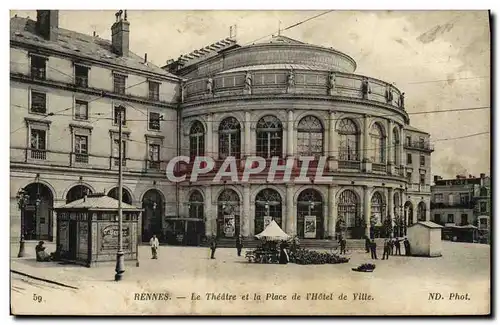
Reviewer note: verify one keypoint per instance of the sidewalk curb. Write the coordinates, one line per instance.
(42, 279)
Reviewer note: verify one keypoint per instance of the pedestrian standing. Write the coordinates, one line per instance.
(343, 244)
(391, 246)
(387, 248)
(154, 243)
(239, 245)
(397, 245)
(213, 247)
(367, 244)
(407, 247)
(373, 247)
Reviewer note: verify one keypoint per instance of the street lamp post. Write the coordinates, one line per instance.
(22, 199)
(120, 267)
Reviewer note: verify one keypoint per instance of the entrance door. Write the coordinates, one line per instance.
(72, 239)
(29, 223)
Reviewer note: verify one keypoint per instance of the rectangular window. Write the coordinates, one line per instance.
(482, 207)
(81, 76)
(450, 199)
(408, 159)
(451, 218)
(81, 110)
(119, 83)
(154, 156)
(154, 121)
(38, 102)
(421, 142)
(422, 179)
(437, 218)
(154, 90)
(81, 149)
(116, 115)
(422, 161)
(408, 141)
(116, 152)
(38, 67)
(38, 144)
(464, 220)
(464, 198)
(438, 198)
(408, 177)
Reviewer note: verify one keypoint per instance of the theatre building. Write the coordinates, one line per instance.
(281, 98)
(285, 98)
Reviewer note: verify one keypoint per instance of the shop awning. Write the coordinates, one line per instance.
(273, 232)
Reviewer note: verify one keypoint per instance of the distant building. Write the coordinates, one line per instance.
(463, 206)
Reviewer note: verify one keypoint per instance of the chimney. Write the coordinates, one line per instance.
(145, 58)
(436, 178)
(47, 24)
(483, 175)
(120, 34)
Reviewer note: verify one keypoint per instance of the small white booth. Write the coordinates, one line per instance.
(425, 239)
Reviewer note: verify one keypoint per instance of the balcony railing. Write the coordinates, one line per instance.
(379, 168)
(349, 164)
(419, 146)
(117, 162)
(457, 205)
(415, 187)
(153, 164)
(82, 81)
(38, 154)
(38, 73)
(82, 158)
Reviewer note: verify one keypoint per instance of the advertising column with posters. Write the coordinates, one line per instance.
(309, 226)
(229, 225)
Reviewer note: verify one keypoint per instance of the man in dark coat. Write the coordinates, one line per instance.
(239, 245)
(213, 247)
(343, 244)
(367, 244)
(373, 248)
(407, 247)
(397, 245)
(387, 248)
(283, 258)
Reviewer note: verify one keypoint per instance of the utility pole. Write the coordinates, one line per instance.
(120, 267)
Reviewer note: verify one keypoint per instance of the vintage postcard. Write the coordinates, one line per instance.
(250, 162)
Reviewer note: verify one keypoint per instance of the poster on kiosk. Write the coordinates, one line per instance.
(310, 227)
(229, 226)
(267, 221)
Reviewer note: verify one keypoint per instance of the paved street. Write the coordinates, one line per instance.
(400, 285)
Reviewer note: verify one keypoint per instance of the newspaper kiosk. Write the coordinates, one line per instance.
(87, 230)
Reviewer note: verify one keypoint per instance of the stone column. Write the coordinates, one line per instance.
(367, 165)
(290, 223)
(390, 205)
(402, 156)
(245, 227)
(367, 208)
(247, 147)
(332, 210)
(290, 134)
(333, 155)
(209, 223)
(209, 150)
(390, 149)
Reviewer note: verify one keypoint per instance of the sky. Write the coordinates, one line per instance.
(440, 59)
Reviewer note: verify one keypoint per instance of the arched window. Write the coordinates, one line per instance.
(421, 209)
(483, 191)
(126, 197)
(310, 137)
(397, 205)
(378, 208)
(269, 137)
(77, 192)
(229, 138)
(347, 209)
(408, 213)
(197, 139)
(395, 147)
(310, 214)
(378, 144)
(348, 140)
(196, 205)
(228, 216)
(267, 208)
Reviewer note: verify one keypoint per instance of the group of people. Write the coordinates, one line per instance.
(392, 246)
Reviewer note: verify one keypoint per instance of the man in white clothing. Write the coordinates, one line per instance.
(154, 246)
